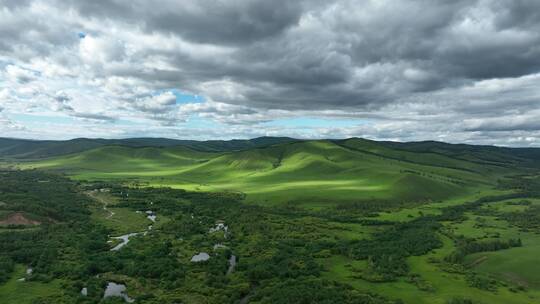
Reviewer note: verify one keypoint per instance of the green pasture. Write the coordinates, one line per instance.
(15, 291)
(306, 173)
(443, 285)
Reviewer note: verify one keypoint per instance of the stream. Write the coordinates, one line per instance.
(101, 200)
(232, 264)
(125, 238)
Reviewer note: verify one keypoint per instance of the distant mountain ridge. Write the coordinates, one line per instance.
(280, 169)
(27, 149)
(36, 149)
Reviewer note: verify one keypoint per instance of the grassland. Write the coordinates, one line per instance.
(119, 220)
(516, 266)
(433, 284)
(16, 291)
(309, 173)
(297, 210)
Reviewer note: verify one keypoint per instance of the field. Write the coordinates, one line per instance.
(349, 221)
(514, 267)
(15, 291)
(316, 172)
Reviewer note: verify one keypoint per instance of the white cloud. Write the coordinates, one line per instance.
(161, 103)
(467, 70)
(101, 50)
(17, 74)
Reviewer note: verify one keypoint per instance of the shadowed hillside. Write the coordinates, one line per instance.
(35, 149)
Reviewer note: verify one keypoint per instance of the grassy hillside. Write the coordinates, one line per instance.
(125, 161)
(11, 148)
(501, 156)
(24, 149)
(313, 172)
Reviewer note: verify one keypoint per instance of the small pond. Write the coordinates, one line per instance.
(201, 257)
(117, 290)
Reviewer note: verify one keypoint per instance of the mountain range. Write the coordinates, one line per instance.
(279, 169)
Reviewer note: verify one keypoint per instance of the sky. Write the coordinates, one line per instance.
(462, 71)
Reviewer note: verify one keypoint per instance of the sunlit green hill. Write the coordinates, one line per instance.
(125, 161)
(304, 172)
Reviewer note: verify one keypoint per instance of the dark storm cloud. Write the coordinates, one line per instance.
(348, 53)
(506, 124)
(11, 4)
(206, 21)
(23, 36)
(229, 22)
(517, 13)
(294, 54)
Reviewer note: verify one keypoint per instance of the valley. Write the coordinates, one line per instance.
(350, 221)
(269, 152)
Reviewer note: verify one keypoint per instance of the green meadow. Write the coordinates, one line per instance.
(433, 283)
(16, 291)
(313, 172)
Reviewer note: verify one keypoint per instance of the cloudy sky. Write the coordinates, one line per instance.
(454, 71)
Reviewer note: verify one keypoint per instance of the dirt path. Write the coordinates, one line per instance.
(477, 261)
(105, 203)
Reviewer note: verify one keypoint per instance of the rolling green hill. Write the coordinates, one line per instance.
(406, 222)
(306, 172)
(11, 148)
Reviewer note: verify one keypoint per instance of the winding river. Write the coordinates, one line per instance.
(125, 238)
